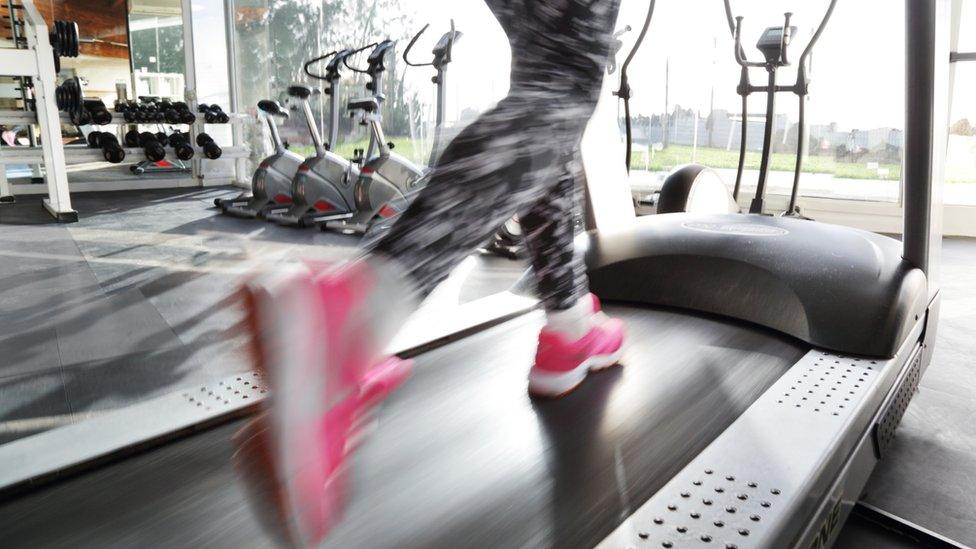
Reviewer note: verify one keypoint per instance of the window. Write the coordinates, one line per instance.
(960, 172)
(687, 109)
(274, 41)
(156, 50)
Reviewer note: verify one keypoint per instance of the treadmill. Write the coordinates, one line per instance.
(768, 362)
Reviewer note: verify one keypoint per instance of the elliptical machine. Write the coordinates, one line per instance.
(773, 45)
(387, 180)
(322, 189)
(271, 183)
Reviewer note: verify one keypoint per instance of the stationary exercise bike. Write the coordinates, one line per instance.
(323, 188)
(773, 44)
(388, 181)
(271, 183)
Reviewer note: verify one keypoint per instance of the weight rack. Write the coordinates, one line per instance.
(34, 59)
(39, 53)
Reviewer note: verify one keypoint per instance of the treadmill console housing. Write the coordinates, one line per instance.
(837, 288)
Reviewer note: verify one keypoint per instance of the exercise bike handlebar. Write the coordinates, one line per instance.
(376, 57)
(332, 68)
(352, 53)
(441, 57)
(413, 41)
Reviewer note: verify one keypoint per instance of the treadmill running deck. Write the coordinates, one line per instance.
(461, 456)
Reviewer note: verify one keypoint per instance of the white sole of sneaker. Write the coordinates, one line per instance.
(289, 318)
(548, 385)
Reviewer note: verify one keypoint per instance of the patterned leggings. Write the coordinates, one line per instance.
(521, 157)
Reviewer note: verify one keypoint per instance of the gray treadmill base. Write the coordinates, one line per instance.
(788, 471)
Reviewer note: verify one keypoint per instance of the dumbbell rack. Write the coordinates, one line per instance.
(36, 61)
(78, 154)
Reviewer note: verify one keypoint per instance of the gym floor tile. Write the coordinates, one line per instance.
(37, 294)
(113, 326)
(30, 352)
(928, 474)
(198, 306)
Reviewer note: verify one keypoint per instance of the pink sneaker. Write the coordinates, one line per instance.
(561, 365)
(313, 343)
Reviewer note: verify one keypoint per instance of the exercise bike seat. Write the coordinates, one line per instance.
(273, 108)
(299, 91)
(368, 104)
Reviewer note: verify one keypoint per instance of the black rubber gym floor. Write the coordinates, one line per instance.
(136, 299)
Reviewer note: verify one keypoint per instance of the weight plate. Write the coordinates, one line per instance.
(74, 40)
(56, 38)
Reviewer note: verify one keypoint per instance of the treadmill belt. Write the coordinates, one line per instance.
(461, 456)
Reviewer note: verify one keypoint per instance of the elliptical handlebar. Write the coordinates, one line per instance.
(624, 92)
(785, 39)
(816, 37)
(735, 27)
(740, 54)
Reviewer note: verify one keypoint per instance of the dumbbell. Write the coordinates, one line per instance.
(185, 116)
(154, 114)
(129, 110)
(100, 114)
(170, 114)
(181, 145)
(137, 112)
(213, 114)
(210, 149)
(111, 150)
(149, 111)
(131, 138)
(155, 151)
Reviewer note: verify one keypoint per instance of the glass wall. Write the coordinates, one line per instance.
(213, 75)
(157, 54)
(276, 37)
(687, 109)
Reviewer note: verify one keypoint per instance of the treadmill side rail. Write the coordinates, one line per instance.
(780, 472)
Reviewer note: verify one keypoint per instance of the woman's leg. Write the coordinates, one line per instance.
(577, 338)
(510, 157)
(516, 153)
(549, 229)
